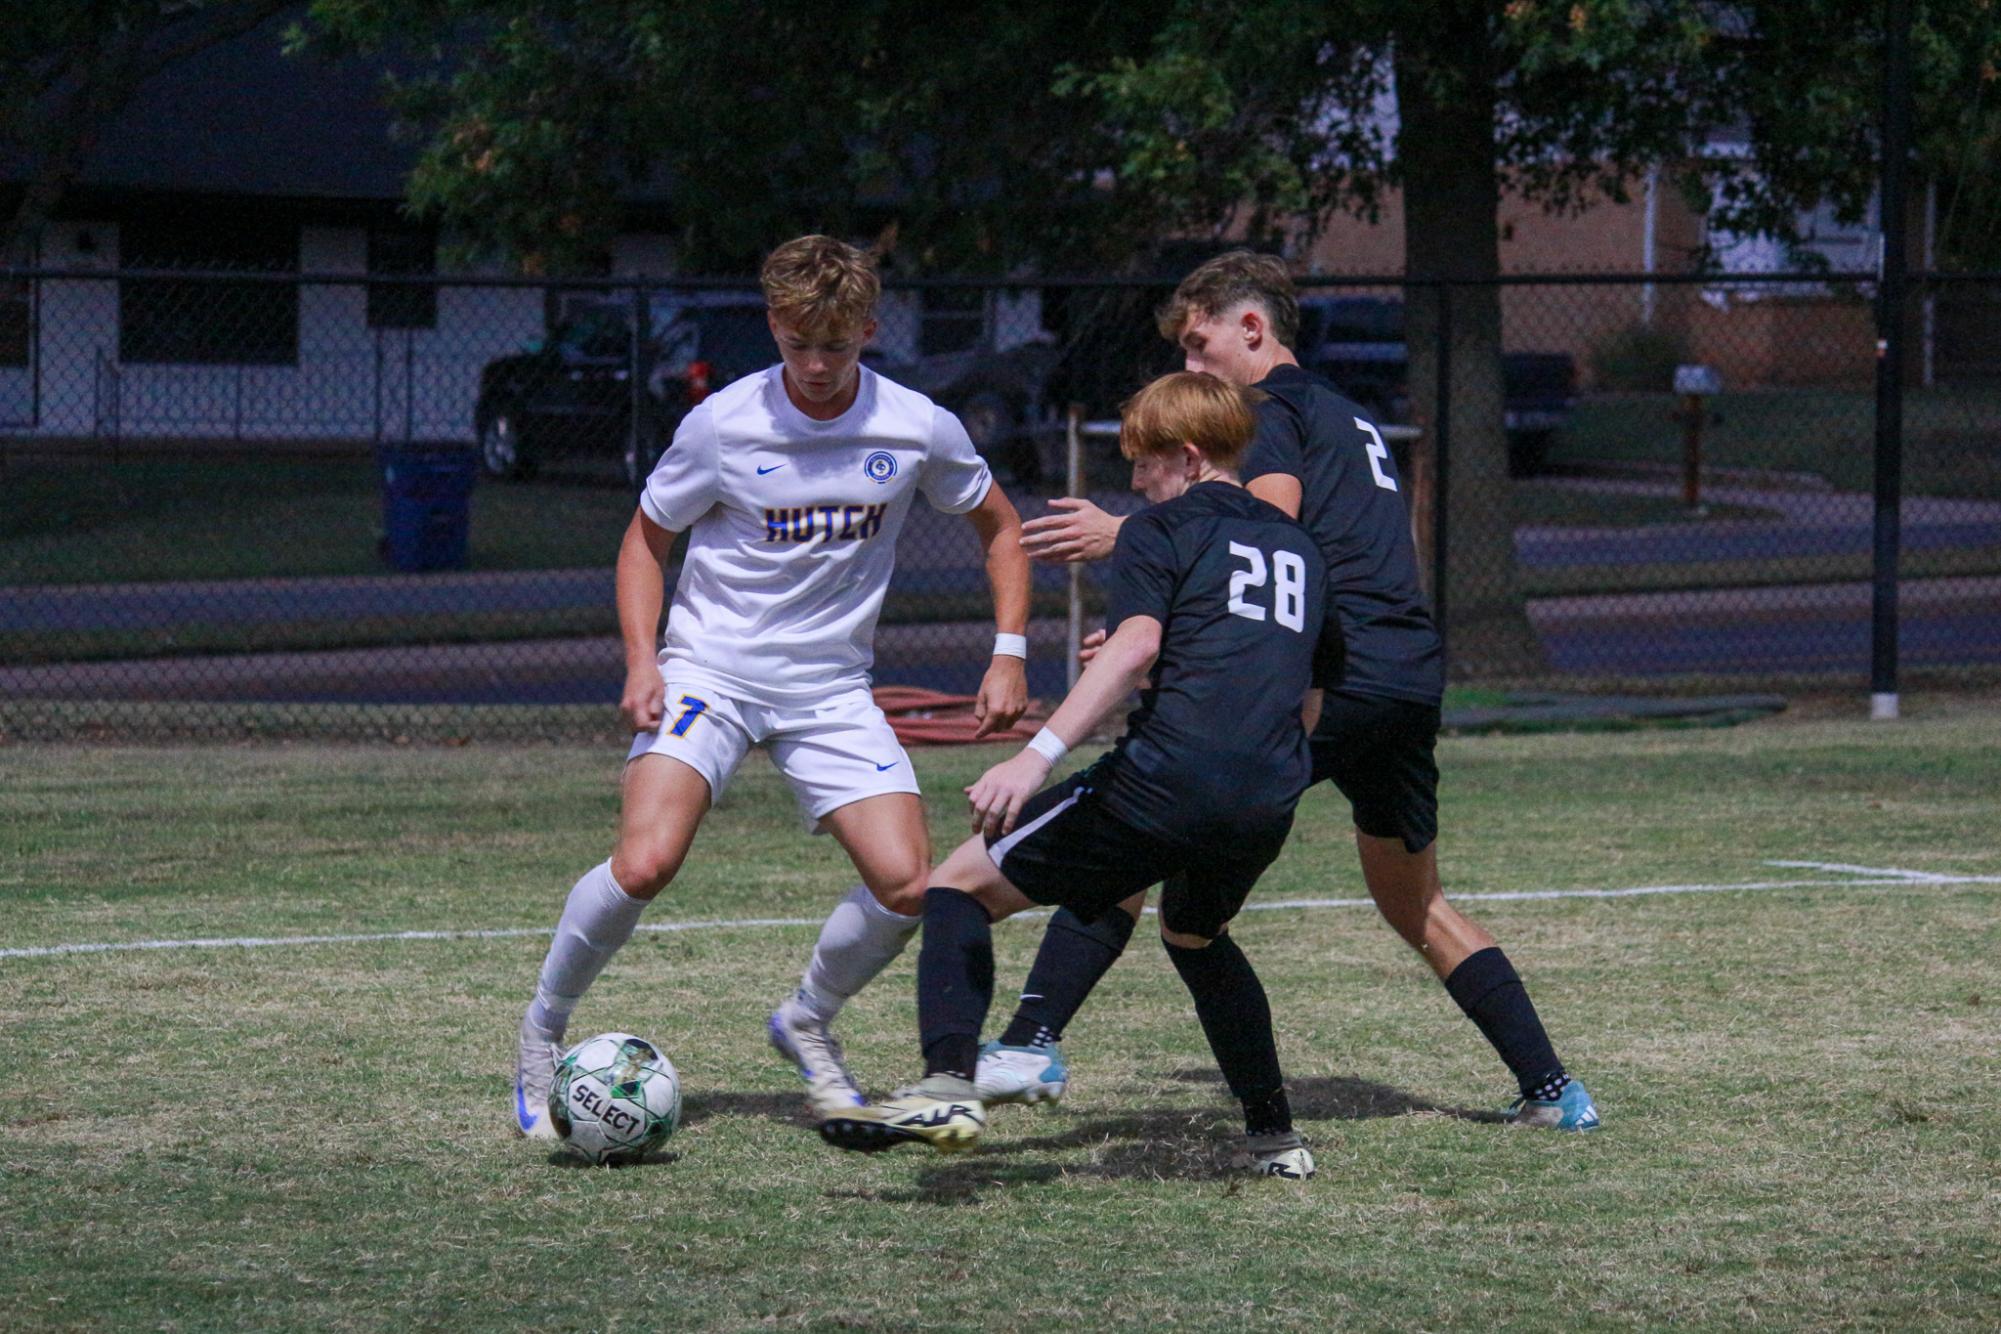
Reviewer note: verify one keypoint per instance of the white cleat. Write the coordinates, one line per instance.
(534, 1075)
(806, 1042)
(1285, 1156)
(1021, 1074)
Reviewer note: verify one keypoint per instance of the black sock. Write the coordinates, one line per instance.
(1073, 955)
(955, 981)
(1236, 1018)
(1493, 997)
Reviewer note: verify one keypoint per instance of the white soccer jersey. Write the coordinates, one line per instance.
(792, 528)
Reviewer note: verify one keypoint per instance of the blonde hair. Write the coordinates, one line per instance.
(820, 285)
(1188, 407)
(1221, 283)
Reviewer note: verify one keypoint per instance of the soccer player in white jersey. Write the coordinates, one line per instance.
(792, 485)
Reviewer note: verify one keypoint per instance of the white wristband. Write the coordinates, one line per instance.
(1010, 646)
(1049, 746)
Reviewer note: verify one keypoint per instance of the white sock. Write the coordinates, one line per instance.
(860, 939)
(597, 919)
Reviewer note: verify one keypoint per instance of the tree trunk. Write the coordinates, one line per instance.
(1445, 149)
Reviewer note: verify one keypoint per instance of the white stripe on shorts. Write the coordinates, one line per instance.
(1000, 848)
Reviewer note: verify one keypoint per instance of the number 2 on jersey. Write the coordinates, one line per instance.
(1379, 454)
(1288, 586)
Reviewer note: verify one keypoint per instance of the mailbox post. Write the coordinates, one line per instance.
(1696, 385)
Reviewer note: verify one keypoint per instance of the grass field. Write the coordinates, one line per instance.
(1799, 1081)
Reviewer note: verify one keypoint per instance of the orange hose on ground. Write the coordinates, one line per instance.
(922, 717)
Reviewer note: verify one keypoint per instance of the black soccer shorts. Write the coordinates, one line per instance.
(1068, 851)
(1379, 752)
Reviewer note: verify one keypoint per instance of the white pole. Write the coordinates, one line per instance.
(1074, 485)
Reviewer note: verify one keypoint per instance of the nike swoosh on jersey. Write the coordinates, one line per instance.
(891, 765)
(773, 468)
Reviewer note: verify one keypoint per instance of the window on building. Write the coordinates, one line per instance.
(402, 251)
(953, 319)
(208, 321)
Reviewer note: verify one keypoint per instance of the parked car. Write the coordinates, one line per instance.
(999, 395)
(572, 393)
(1358, 343)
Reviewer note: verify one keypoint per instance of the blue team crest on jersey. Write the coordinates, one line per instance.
(880, 466)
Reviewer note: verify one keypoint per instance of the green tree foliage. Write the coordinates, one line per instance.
(1049, 137)
(68, 67)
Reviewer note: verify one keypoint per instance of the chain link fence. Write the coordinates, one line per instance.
(272, 504)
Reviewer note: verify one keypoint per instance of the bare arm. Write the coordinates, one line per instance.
(642, 588)
(1277, 488)
(1074, 530)
(1003, 693)
(1117, 669)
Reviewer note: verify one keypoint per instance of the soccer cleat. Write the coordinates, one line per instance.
(534, 1074)
(942, 1111)
(1021, 1074)
(830, 1089)
(1570, 1110)
(1282, 1155)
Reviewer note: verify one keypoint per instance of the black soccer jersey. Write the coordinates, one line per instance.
(1239, 591)
(1351, 500)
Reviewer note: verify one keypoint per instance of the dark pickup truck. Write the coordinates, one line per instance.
(1358, 343)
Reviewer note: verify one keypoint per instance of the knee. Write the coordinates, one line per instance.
(902, 889)
(644, 869)
(1185, 940)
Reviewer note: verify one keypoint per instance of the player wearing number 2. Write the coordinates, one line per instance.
(791, 485)
(1317, 456)
(1215, 603)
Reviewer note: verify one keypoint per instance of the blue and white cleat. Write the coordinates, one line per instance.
(534, 1074)
(1021, 1074)
(816, 1053)
(1571, 1110)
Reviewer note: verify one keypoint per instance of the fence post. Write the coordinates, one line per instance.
(636, 373)
(409, 384)
(1074, 485)
(1888, 527)
(1441, 472)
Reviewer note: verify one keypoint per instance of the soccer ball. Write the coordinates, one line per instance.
(615, 1097)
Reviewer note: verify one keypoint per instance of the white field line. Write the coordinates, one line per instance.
(1844, 868)
(1906, 878)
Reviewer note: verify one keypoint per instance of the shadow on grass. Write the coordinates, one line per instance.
(1151, 1144)
(1345, 1098)
(657, 1158)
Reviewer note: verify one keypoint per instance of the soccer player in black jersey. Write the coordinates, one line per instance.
(1216, 602)
(1319, 457)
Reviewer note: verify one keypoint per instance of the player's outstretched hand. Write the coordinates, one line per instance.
(1075, 530)
(1088, 648)
(1003, 696)
(644, 700)
(997, 795)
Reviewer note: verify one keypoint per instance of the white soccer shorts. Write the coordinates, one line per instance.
(833, 752)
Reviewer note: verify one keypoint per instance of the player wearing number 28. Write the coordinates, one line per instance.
(791, 485)
(1319, 457)
(1215, 602)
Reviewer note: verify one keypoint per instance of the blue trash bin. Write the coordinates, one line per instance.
(426, 505)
